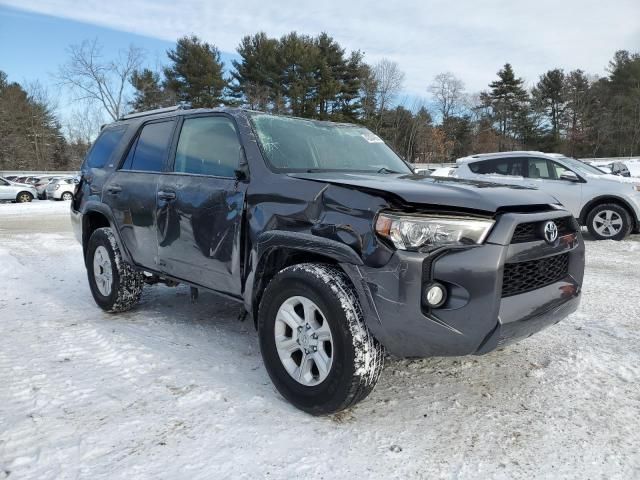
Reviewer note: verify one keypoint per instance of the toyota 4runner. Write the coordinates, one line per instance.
(336, 249)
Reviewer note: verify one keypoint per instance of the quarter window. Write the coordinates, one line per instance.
(103, 147)
(149, 151)
(208, 146)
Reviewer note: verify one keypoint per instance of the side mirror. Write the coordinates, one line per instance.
(569, 176)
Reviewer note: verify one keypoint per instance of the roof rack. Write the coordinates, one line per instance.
(154, 112)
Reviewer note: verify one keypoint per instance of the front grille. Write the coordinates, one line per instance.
(526, 276)
(532, 231)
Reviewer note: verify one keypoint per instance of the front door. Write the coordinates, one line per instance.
(200, 205)
(131, 191)
(545, 175)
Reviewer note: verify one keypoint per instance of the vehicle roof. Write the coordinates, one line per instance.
(178, 110)
(519, 153)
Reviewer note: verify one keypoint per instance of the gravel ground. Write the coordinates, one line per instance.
(175, 390)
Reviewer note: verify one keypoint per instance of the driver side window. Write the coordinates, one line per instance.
(539, 168)
(208, 146)
(559, 169)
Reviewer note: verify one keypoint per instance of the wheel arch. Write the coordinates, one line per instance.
(604, 199)
(98, 216)
(280, 249)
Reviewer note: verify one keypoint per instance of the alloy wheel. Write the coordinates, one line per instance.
(102, 271)
(303, 341)
(607, 223)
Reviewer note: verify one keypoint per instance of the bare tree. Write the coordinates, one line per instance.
(43, 129)
(448, 94)
(93, 78)
(83, 124)
(389, 79)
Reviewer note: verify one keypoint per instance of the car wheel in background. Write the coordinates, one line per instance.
(115, 285)
(24, 197)
(314, 341)
(67, 196)
(609, 221)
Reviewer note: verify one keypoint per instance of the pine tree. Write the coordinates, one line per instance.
(549, 98)
(257, 75)
(196, 73)
(508, 100)
(149, 92)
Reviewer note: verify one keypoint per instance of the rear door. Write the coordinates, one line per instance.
(131, 191)
(201, 205)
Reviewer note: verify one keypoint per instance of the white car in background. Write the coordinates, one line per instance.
(608, 205)
(61, 188)
(16, 192)
(41, 185)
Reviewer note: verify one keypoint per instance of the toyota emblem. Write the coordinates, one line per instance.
(550, 232)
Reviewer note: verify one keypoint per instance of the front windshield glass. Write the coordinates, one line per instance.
(293, 144)
(581, 166)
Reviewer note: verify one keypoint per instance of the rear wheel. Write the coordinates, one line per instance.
(115, 285)
(24, 197)
(609, 221)
(314, 342)
(67, 196)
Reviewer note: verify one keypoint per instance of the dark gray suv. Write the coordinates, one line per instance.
(332, 244)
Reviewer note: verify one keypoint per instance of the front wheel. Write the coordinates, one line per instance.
(67, 196)
(314, 342)
(609, 222)
(115, 285)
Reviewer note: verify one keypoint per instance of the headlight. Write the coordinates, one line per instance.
(412, 232)
(636, 187)
(57, 187)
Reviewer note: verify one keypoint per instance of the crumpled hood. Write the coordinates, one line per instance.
(448, 192)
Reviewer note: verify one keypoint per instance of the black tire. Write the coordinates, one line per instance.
(357, 357)
(618, 212)
(24, 197)
(126, 283)
(67, 196)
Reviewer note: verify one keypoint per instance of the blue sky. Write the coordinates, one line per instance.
(469, 38)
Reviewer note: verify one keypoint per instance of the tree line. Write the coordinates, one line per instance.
(571, 112)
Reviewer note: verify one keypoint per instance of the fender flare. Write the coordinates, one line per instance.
(306, 242)
(105, 211)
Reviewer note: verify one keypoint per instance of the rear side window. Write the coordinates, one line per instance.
(104, 146)
(498, 166)
(208, 146)
(149, 151)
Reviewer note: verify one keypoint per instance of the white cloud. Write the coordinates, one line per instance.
(470, 38)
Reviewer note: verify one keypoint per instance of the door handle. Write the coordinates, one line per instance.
(162, 195)
(114, 189)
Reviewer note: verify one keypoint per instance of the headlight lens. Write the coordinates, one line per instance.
(412, 232)
(636, 187)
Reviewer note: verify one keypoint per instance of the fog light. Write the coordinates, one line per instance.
(435, 295)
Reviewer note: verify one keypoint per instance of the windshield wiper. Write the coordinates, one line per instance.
(386, 170)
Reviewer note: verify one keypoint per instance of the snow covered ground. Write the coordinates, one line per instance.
(175, 390)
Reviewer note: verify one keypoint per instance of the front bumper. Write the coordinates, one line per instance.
(476, 317)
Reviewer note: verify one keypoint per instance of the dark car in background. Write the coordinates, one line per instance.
(334, 247)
